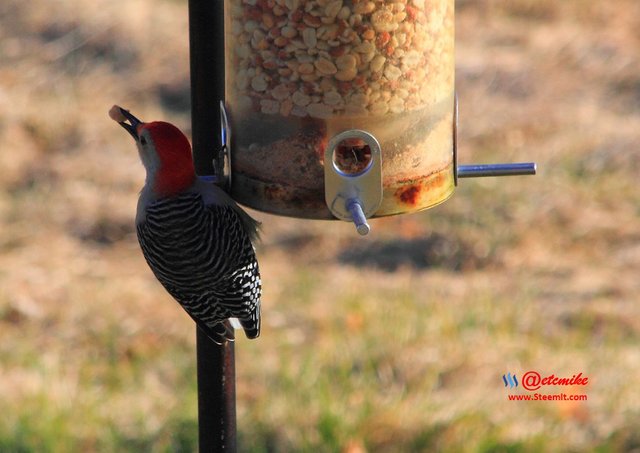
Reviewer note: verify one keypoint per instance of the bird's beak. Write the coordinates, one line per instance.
(129, 122)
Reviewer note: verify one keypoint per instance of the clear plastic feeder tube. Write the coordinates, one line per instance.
(298, 72)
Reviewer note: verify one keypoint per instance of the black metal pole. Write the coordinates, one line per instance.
(216, 364)
(216, 395)
(206, 46)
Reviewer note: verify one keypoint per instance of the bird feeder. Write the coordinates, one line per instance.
(343, 108)
(330, 109)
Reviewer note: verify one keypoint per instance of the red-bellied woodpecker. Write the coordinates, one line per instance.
(195, 238)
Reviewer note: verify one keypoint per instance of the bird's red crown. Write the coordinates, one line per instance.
(176, 171)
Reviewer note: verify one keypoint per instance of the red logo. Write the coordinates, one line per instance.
(532, 380)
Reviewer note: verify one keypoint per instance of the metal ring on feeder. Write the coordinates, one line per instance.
(353, 177)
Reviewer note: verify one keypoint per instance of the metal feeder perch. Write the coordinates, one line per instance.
(321, 109)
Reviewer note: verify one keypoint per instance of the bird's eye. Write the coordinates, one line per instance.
(143, 141)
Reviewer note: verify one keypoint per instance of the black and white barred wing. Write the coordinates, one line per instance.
(204, 258)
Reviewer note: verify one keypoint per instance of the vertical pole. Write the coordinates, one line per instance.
(216, 395)
(216, 364)
(206, 46)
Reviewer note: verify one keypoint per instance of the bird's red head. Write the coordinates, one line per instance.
(176, 171)
(165, 152)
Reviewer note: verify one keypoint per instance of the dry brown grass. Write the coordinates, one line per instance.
(526, 273)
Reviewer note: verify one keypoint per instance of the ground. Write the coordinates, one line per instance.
(394, 342)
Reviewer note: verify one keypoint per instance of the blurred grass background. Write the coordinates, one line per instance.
(394, 342)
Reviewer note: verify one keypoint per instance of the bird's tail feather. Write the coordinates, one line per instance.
(219, 333)
(251, 328)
